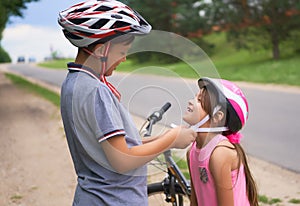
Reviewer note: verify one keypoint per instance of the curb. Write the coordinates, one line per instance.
(3, 68)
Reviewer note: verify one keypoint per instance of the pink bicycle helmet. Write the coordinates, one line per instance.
(98, 21)
(230, 96)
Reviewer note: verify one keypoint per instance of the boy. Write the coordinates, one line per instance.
(108, 155)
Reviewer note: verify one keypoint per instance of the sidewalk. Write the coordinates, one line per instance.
(272, 181)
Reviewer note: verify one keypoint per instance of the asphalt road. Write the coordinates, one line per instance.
(270, 134)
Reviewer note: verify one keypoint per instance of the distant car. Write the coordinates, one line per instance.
(21, 59)
(32, 59)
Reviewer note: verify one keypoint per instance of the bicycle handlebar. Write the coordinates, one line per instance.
(157, 115)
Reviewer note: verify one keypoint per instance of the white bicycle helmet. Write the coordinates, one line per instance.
(98, 21)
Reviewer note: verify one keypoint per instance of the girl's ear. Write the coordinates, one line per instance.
(218, 117)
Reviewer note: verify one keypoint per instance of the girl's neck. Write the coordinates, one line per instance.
(204, 138)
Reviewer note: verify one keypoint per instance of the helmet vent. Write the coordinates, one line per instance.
(142, 22)
(116, 16)
(103, 8)
(78, 10)
(124, 13)
(119, 24)
(99, 24)
(84, 32)
(71, 36)
(78, 21)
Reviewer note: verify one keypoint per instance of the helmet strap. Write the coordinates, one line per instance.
(103, 59)
(196, 128)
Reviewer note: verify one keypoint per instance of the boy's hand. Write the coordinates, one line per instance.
(183, 137)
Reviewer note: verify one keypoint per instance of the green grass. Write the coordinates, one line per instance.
(243, 65)
(56, 64)
(45, 93)
(285, 71)
(294, 201)
(263, 199)
(15, 198)
(254, 66)
(266, 200)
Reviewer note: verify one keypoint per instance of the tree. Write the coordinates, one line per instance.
(274, 21)
(10, 8)
(159, 13)
(4, 57)
(177, 16)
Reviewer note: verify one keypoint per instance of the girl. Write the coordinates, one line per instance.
(218, 166)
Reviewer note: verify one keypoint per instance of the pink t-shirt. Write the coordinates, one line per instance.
(203, 181)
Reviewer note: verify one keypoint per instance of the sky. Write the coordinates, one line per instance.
(38, 33)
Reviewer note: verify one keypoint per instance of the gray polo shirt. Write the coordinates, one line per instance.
(92, 114)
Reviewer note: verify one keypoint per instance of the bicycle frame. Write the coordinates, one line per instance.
(175, 183)
(174, 170)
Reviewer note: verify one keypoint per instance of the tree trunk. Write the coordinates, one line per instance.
(275, 44)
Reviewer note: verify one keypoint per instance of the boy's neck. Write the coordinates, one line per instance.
(88, 61)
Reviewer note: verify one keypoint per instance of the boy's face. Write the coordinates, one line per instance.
(195, 111)
(117, 54)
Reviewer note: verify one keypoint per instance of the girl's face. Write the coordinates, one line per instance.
(195, 111)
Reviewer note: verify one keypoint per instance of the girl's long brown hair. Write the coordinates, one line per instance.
(250, 183)
(209, 102)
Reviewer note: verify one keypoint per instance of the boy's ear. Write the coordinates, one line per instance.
(99, 47)
(218, 117)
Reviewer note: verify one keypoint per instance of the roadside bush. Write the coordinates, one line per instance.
(4, 56)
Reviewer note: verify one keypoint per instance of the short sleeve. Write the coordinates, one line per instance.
(107, 113)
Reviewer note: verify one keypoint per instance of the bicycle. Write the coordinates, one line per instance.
(174, 188)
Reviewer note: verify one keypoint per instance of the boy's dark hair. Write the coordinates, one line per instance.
(126, 39)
